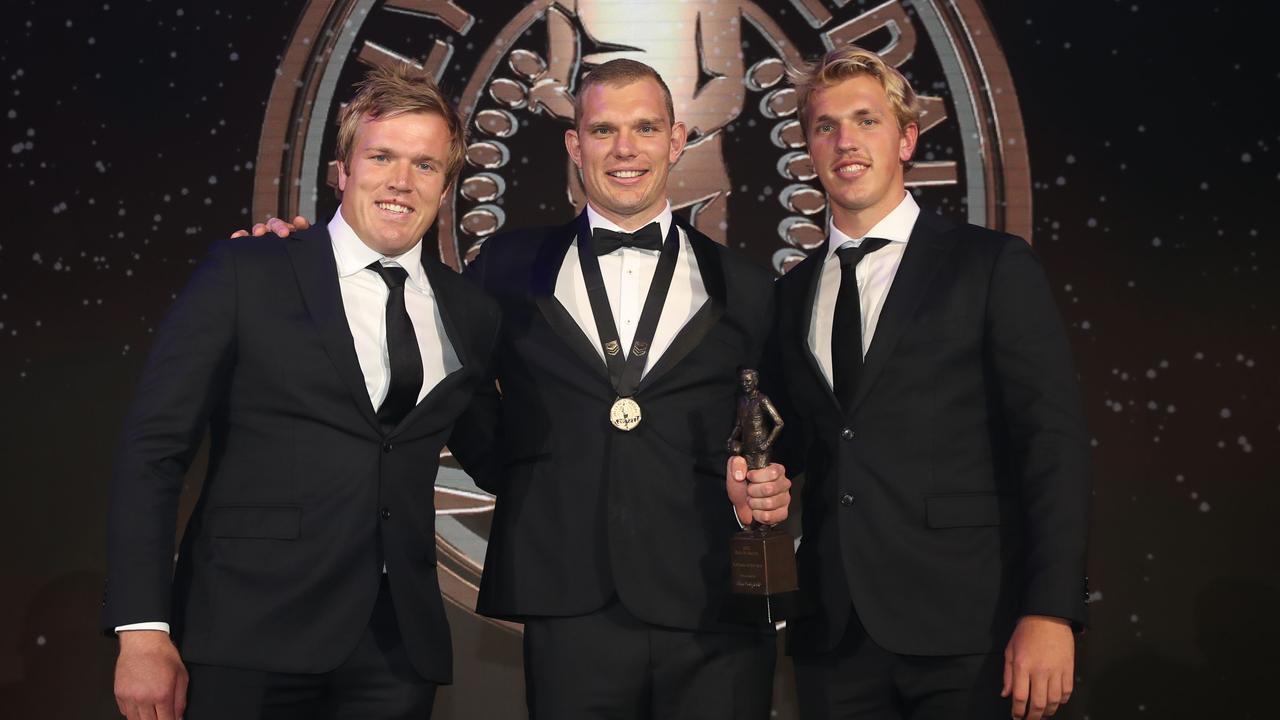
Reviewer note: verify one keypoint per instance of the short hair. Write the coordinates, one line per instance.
(848, 62)
(617, 73)
(392, 90)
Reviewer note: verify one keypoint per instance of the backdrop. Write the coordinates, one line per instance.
(1129, 141)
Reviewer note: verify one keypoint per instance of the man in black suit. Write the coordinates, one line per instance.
(623, 332)
(929, 384)
(330, 368)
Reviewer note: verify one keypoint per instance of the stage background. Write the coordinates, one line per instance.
(129, 130)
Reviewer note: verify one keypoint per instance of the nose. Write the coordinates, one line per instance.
(400, 177)
(846, 137)
(623, 145)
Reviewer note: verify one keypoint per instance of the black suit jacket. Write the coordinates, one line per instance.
(586, 511)
(953, 496)
(305, 496)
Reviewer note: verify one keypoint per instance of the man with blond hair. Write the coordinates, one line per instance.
(329, 368)
(931, 400)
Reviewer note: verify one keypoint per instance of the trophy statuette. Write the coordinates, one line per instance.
(763, 570)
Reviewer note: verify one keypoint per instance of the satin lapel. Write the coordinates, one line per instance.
(452, 317)
(712, 272)
(925, 250)
(546, 268)
(810, 271)
(312, 255)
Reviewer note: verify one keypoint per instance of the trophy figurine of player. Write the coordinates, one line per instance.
(763, 557)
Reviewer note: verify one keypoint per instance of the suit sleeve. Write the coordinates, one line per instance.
(186, 374)
(1047, 439)
(789, 448)
(475, 434)
(474, 441)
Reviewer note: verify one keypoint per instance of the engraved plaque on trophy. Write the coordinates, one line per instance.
(763, 571)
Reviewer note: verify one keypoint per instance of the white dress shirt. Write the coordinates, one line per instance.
(627, 275)
(874, 275)
(364, 299)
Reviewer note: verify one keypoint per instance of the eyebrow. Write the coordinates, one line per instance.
(658, 122)
(860, 112)
(388, 151)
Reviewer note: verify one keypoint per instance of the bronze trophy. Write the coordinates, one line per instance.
(763, 570)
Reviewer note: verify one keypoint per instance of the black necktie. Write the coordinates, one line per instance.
(846, 325)
(648, 237)
(402, 348)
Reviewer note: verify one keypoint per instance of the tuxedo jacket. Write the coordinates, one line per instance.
(305, 496)
(952, 497)
(586, 511)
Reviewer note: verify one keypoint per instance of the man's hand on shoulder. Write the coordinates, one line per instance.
(151, 681)
(275, 225)
(1039, 666)
(762, 495)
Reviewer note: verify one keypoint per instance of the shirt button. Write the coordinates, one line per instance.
(846, 499)
(387, 447)
(846, 434)
(386, 513)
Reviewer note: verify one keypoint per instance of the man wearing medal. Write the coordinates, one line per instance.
(624, 331)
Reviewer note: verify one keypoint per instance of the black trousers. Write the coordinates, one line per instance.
(609, 665)
(377, 681)
(860, 680)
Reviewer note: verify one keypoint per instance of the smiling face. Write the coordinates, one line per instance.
(625, 144)
(858, 151)
(395, 180)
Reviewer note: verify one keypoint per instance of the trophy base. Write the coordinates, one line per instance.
(763, 575)
(754, 609)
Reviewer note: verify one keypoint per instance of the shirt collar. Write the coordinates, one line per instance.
(894, 227)
(596, 220)
(352, 255)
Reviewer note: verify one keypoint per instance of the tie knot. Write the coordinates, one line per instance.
(850, 255)
(648, 237)
(393, 275)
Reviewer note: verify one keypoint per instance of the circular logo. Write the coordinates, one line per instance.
(745, 178)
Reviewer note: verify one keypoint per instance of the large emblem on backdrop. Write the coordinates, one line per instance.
(745, 179)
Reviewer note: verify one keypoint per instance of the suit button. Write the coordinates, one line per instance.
(387, 447)
(846, 434)
(846, 499)
(386, 513)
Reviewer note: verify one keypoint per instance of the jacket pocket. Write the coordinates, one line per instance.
(963, 510)
(270, 522)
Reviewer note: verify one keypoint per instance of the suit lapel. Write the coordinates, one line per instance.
(809, 272)
(921, 260)
(712, 272)
(546, 268)
(451, 317)
(317, 274)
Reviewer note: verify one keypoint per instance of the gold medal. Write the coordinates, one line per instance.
(625, 413)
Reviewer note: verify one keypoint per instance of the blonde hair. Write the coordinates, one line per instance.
(393, 90)
(848, 62)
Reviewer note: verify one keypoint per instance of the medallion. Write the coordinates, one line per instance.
(625, 413)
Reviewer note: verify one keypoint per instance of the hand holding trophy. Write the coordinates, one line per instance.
(763, 571)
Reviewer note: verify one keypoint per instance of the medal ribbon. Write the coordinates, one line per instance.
(625, 373)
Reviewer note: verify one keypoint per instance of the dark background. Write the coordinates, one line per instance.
(128, 133)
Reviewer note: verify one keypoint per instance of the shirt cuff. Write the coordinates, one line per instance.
(143, 626)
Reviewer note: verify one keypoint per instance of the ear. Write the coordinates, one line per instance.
(679, 136)
(573, 147)
(342, 176)
(907, 144)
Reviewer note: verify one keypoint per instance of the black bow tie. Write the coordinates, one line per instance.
(648, 237)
